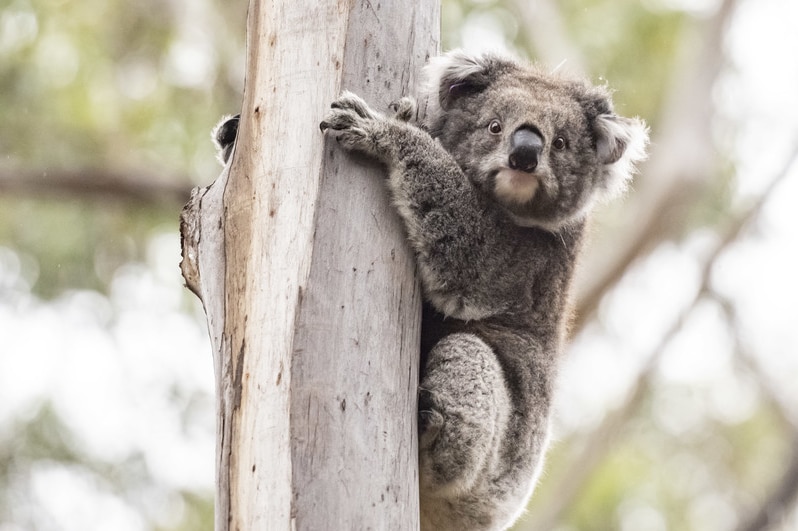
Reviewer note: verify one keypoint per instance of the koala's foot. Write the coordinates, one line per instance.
(404, 109)
(463, 408)
(430, 420)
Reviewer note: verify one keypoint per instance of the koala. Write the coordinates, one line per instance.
(494, 187)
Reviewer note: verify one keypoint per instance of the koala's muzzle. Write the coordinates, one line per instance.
(525, 148)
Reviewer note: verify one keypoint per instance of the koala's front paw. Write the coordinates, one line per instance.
(404, 109)
(351, 101)
(353, 121)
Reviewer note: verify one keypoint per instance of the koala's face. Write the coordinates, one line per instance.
(545, 149)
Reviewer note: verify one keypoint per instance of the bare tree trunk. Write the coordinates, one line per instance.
(308, 287)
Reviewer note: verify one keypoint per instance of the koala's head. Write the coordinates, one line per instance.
(543, 147)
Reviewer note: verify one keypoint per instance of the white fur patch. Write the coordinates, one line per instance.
(515, 186)
(453, 66)
(456, 65)
(455, 305)
(551, 226)
(618, 133)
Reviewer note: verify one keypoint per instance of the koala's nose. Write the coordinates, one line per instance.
(525, 148)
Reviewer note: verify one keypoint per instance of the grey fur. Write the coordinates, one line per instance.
(496, 249)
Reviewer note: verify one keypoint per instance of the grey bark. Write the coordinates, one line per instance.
(307, 284)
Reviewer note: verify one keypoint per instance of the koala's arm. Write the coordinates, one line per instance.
(458, 241)
(447, 227)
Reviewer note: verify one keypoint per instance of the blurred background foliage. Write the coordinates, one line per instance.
(673, 415)
(116, 88)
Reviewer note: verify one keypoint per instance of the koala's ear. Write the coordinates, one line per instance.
(458, 73)
(620, 145)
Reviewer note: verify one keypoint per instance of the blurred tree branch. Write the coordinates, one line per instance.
(745, 353)
(549, 39)
(97, 184)
(783, 497)
(785, 491)
(682, 162)
(598, 443)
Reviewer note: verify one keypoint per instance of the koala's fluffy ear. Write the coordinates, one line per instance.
(458, 73)
(620, 142)
(620, 145)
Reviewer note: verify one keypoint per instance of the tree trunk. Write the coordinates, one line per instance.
(307, 284)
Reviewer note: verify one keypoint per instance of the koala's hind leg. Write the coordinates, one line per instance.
(463, 407)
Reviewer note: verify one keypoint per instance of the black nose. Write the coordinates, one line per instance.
(525, 148)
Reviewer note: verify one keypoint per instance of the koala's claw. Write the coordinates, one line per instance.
(353, 102)
(430, 423)
(430, 420)
(340, 119)
(353, 121)
(349, 113)
(404, 109)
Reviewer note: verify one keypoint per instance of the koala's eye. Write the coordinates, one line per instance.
(495, 127)
(559, 143)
